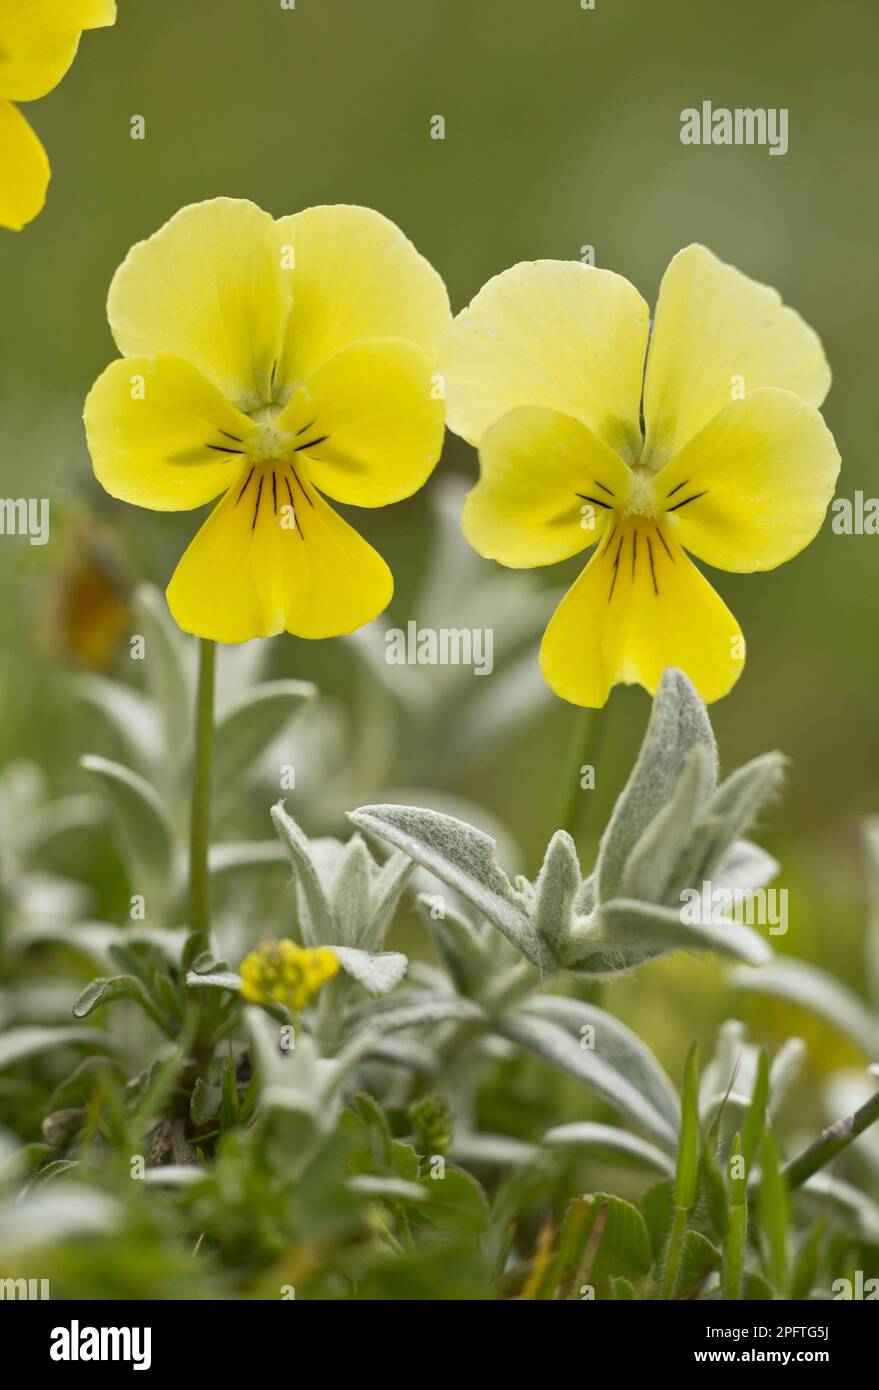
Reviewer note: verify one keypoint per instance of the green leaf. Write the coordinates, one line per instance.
(699, 1259)
(108, 988)
(714, 1188)
(755, 1116)
(140, 822)
(379, 1134)
(808, 1262)
(621, 1288)
(205, 1102)
(456, 1204)
(735, 1242)
(250, 722)
(229, 1107)
(687, 1171)
(657, 1208)
(755, 1288)
(624, 1247)
(774, 1215)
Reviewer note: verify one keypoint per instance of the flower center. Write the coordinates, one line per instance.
(641, 500)
(270, 444)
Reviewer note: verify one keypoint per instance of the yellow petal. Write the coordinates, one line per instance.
(161, 436)
(39, 39)
(380, 426)
(545, 491)
(752, 488)
(715, 328)
(274, 556)
(208, 287)
(640, 605)
(354, 276)
(551, 333)
(25, 173)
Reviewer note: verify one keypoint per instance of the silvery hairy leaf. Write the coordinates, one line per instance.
(609, 1143)
(651, 871)
(17, 1044)
(349, 896)
(251, 721)
(556, 890)
(235, 855)
(625, 932)
(132, 717)
(555, 1043)
(55, 1213)
(732, 811)
(412, 1009)
(811, 988)
(744, 868)
(678, 723)
(344, 897)
(459, 944)
(316, 923)
(615, 1044)
(377, 972)
(464, 858)
(96, 940)
(139, 821)
(167, 665)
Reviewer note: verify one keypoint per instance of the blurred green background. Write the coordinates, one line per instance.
(562, 129)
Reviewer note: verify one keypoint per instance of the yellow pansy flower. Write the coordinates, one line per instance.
(280, 972)
(38, 42)
(272, 363)
(549, 373)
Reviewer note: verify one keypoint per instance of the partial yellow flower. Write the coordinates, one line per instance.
(550, 374)
(280, 972)
(38, 42)
(274, 363)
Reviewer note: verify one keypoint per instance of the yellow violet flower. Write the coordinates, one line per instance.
(280, 972)
(38, 42)
(549, 373)
(271, 363)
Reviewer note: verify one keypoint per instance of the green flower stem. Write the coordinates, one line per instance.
(831, 1143)
(580, 739)
(200, 815)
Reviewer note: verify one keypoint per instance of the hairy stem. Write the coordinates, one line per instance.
(832, 1142)
(673, 1253)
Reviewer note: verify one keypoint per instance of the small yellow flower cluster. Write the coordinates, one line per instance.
(280, 972)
